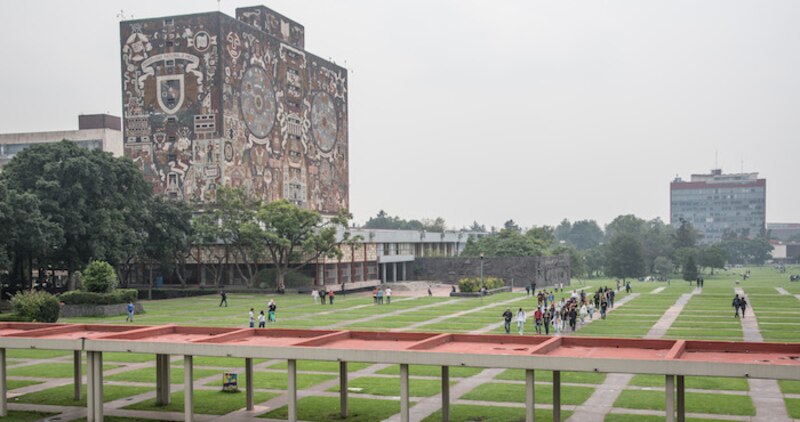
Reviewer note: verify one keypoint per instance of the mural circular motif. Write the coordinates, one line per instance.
(258, 102)
(324, 121)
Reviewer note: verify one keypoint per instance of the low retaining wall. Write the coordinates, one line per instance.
(75, 311)
(478, 294)
(541, 270)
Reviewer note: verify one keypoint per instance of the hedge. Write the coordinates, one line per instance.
(14, 318)
(99, 277)
(37, 306)
(473, 284)
(79, 297)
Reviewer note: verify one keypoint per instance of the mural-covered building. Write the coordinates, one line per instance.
(209, 100)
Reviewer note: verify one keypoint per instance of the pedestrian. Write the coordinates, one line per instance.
(557, 323)
(573, 316)
(252, 318)
(591, 311)
(262, 320)
(611, 296)
(315, 295)
(131, 308)
(430, 293)
(330, 296)
(583, 313)
(375, 296)
(603, 308)
(272, 307)
(628, 287)
(548, 319)
(618, 284)
(743, 305)
(736, 302)
(223, 298)
(380, 296)
(388, 294)
(537, 319)
(507, 320)
(322, 295)
(528, 290)
(520, 320)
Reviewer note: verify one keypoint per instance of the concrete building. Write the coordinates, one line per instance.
(717, 203)
(210, 100)
(95, 131)
(784, 231)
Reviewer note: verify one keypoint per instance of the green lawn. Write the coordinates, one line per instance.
(20, 416)
(469, 413)
(51, 370)
(793, 406)
(205, 402)
(391, 386)
(14, 384)
(431, 371)
(516, 393)
(277, 380)
(64, 395)
(701, 383)
(547, 376)
(149, 375)
(720, 404)
(320, 366)
(317, 408)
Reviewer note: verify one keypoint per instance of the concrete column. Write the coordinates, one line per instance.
(248, 389)
(3, 385)
(98, 386)
(404, 272)
(90, 387)
(292, 390)
(670, 397)
(681, 403)
(445, 393)
(530, 396)
(394, 271)
(556, 396)
(383, 271)
(404, 415)
(162, 380)
(188, 389)
(343, 389)
(77, 376)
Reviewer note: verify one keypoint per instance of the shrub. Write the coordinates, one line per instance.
(36, 306)
(78, 297)
(99, 277)
(265, 279)
(13, 318)
(473, 284)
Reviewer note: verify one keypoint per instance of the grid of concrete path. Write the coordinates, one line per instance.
(651, 311)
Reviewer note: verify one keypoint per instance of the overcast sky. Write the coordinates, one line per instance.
(531, 110)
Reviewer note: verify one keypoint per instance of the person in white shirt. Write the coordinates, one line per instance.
(252, 318)
(583, 313)
(388, 295)
(315, 296)
(262, 320)
(520, 320)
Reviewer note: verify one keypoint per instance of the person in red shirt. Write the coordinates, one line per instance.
(537, 316)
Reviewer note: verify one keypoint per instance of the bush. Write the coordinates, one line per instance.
(36, 306)
(265, 279)
(99, 277)
(473, 284)
(78, 297)
(14, 318)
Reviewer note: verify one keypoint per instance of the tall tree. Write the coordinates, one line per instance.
(563, 230)
(713, 256)
(690, 269)
(294, 237)
(625, 257)
(585, 234)
(686, 235)
(625, 224)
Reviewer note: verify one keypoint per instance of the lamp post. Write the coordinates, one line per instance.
(481, 270)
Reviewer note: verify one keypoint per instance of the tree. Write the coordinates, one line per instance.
(585, 234)
(511, 225)
(563, 230)
(686, 235)
(507, 242)
(542, 235)
(713, 256)
(294, 237)
(475, 227)
(577, 261)
(663, 266)
(387, 222)
(746, 251)
(625, 224)
(690, 269)
(625, 257)
(169, 235)
(99, 277)
(656, 241)
(595, 260)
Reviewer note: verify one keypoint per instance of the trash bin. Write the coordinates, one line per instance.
(230, 382)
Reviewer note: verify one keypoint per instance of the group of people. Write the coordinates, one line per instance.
(319, 296)
(379, 295)
(556, 316)
(739, 304)
(263, 319)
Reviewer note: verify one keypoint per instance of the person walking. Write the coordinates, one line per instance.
(591, 311)
(583, 313)
(603, 308)
(330, 296)
(573, 317)
(251, 318)
(628, 287)
(272, 307)
(537, 320)
(388, 294)
(315, 295)
(547, 319)
(223, 298)
(375, 296)
(743, 305)
(736, 303)
(430, 292)
(262, 320)
(131, 309)
(520, 320)
(380, 296)
(557, 323)
(322, 295)
(507, 316)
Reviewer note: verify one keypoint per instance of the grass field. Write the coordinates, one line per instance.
(46, 376)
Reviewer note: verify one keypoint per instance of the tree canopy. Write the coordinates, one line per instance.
(388, 222)
(625, 257)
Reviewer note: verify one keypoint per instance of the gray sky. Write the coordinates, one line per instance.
(531, 110)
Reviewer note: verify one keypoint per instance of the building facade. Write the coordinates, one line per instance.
(95, 131)
(210, 100)
(718, 203)
(784, 231)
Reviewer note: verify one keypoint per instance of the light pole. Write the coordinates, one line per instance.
(481, 271)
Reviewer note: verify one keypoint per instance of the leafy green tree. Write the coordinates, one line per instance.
(690, 269)
(99, 277)
(511, 225)
(475, 227)
(541, 235)
(507, 242)
(663, 266)
(294, 237)
(577, 261)
(595, 260)
(686, 235)
(388, 222)
(625, 257)
(626, 224)
(656, 241)
(563, 230)
(745, 251)
(585, 234)
(169, 236)
(713, 256)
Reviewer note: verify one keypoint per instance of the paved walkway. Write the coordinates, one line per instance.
(384, 315)
(597, 406)
(458, 314)
(766, 394)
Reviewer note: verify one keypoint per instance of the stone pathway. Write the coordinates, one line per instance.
(458, 314)
(766, 394)
(782, 291)
(597, 406)
(384, 315)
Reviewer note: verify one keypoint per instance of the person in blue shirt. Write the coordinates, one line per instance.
(130, 312)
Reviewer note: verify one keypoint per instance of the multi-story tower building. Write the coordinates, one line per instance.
(209, 100)
(717, 203)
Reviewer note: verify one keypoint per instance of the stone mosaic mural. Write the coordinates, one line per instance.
(209, 100)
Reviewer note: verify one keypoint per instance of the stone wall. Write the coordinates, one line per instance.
(75, 311)
(544, 271)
